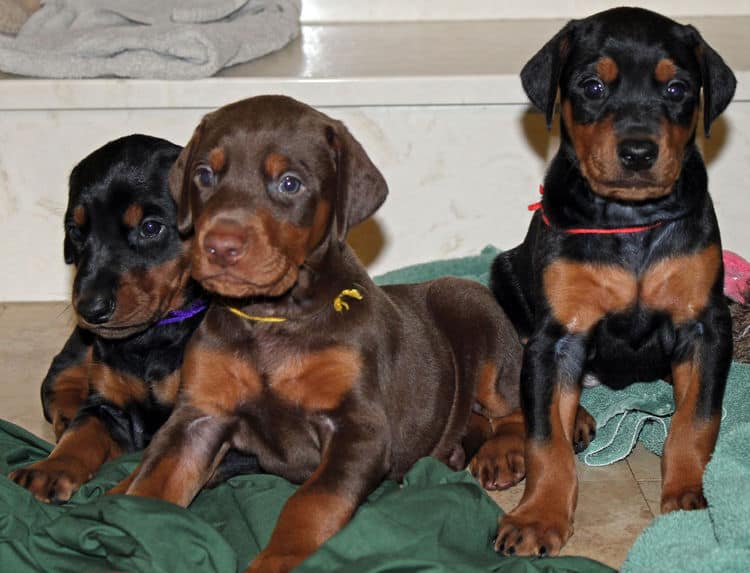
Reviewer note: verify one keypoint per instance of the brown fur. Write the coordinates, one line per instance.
(580, 294)
(689, 444)
(325, 398)
(607, 70)
(665, 70)
(133, 215)
(681, 285)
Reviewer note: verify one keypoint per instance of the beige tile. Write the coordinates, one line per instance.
(30, 336)
(617, 471)
(611, 513)
(651, 490)
(644, 464)
(509, 498)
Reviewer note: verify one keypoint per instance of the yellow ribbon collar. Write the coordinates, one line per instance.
(339, 305)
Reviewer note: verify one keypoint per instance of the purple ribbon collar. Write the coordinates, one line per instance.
(198, 306)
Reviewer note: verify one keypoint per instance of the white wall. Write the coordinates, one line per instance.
(450, 129)
(395, 10)
(460, 178)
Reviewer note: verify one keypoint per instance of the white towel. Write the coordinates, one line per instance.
(166, 39)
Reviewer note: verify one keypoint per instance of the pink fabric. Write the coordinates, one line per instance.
(736, 278)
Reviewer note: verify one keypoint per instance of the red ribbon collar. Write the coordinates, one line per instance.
(584, 231)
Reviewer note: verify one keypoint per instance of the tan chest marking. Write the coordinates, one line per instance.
(682, 285)
(319, 380)
(166, 389)
(581, 294)
(117, 387)
(217, 381)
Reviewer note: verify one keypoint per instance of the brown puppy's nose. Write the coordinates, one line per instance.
(224, 247)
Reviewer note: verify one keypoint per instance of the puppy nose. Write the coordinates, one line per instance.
(95, 309)
(637, 154)
(224, 247)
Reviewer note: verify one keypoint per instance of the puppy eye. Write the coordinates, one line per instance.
(151, 228)
(204, 175)
(593, 88)
(676, 90)
(289, 184)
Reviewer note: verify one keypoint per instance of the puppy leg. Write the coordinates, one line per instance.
(543, 520)
(352, 464)
(499, 463)
(699, 381)
(181, 458)
(81, 451)
(66, 385)
(584, 431)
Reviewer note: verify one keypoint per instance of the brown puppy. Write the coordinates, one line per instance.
(331, 381)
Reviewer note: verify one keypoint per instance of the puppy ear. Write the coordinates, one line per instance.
(68, 251)
(181, 181)
(541, 74)
(718, 81)
(361, 188)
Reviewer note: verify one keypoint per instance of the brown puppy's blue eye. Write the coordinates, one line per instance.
(151, 229)
(593, 88)
(676, 90)
(289, 184)
(205, 176)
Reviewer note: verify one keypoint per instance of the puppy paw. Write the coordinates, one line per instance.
(584, 430)
(52, 481)
(687, 498)
(499, 463)
(529, 532)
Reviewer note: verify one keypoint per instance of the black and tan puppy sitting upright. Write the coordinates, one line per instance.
(620, 274)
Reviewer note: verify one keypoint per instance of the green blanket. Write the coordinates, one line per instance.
(440, 521)
(716, 539)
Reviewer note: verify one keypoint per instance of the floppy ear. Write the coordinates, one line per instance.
(361, 188)
(68, 251)
(181, 180)
(541, 74)
(718, 81)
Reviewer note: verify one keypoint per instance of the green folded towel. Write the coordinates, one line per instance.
(439, 521)
(476, 268)
(712, 540)
(643, 411)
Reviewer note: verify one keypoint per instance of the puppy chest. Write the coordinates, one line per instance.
(580, 294)
(221, 382)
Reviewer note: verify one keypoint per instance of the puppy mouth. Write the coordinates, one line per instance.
(227, 283)
(631, 188)
(115, 331)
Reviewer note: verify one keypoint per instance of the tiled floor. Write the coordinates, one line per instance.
(614, 503)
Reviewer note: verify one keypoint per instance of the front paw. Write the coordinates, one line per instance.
(532, 532)
(584, 431)
(52, 480)
(268, 562)
(687, 498)
(499, 463)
